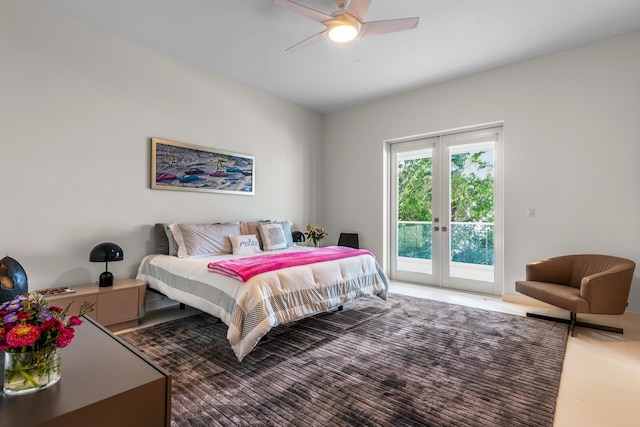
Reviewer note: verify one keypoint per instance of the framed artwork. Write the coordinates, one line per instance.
(179, 166)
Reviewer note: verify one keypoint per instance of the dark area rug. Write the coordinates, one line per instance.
(404, 362)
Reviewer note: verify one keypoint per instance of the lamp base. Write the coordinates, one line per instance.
(106, 279)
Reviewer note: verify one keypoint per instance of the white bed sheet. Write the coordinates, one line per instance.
(250, 309)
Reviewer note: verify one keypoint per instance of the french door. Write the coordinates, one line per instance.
(445, 202)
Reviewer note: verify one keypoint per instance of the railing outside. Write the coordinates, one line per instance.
(471, 242)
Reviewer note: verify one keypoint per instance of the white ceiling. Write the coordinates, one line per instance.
(246, 40)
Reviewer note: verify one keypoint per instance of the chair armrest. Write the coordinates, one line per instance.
(551, 270)
(608, 291)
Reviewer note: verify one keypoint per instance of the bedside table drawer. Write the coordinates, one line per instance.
(117, 307)
(76, 300)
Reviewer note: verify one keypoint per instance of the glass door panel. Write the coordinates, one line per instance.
(413, 192)
(443, 211)
(470, 237)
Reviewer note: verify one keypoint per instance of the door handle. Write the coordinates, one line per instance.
(436, 228)
(444, 228)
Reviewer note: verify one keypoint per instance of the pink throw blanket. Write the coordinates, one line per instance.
(245, 268)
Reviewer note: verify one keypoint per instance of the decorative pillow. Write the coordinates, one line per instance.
(272, 236)
(245, 244)
(252, 228)
(286, 228)
(203, 239)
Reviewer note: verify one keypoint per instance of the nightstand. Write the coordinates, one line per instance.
(116, 307)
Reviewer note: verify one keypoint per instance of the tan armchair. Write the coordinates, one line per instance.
(597, 284)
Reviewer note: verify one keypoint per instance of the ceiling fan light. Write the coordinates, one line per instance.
(342, 33)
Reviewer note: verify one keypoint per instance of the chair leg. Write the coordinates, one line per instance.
(600, 327)
(573, 321)
(554, 319)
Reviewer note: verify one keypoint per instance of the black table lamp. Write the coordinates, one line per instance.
(106, 252)
(298, 236)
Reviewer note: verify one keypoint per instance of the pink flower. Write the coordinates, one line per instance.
(65, 337)
(23, 315)
(23, 335)
(75, 321)
(51, 323)
(28, 323)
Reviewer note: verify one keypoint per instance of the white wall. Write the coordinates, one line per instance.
(572, 150)
(78, 106)
(77, 110)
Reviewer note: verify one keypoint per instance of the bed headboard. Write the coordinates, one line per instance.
(162, 242)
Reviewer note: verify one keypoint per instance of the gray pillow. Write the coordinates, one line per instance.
(272, 236)
(173, 246)
(251, 227)
(204, 239)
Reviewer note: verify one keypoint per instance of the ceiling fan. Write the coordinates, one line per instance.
(347, 23)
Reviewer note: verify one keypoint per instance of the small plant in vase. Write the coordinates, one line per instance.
(315, 234)
(31, 334)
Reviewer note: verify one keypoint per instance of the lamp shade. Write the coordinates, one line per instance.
(105, 252)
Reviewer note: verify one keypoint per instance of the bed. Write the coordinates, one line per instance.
(252, 307)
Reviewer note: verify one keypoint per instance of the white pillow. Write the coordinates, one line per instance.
(203, 239)
(286, 228)
(272, 236)
(252, 228)
(245, 244)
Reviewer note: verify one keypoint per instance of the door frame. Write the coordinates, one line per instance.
(497, 287)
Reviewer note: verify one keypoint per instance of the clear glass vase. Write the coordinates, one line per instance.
(30, 371)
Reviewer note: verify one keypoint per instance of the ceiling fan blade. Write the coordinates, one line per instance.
(306, 42)
(358, 8)
(375, 28)
(303, 10)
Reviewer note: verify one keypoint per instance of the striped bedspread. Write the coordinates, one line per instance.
(250, 309)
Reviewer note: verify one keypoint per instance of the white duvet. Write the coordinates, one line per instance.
(250, 309)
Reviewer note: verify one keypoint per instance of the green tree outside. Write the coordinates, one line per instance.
(471, 202)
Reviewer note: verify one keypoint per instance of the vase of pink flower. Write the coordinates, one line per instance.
(31, 336)
(315, 234)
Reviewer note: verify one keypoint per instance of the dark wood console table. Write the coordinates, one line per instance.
(105, 382)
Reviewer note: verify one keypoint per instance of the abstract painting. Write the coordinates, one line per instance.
(179, 166)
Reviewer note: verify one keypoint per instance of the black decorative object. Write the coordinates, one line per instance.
(298, 236)
(13, 279)
(106, 252)
(349, 239)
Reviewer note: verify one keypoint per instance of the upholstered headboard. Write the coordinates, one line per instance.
(162, 242)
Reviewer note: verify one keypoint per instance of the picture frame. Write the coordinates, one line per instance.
(184, 167)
